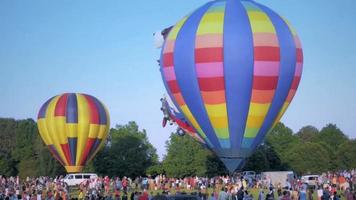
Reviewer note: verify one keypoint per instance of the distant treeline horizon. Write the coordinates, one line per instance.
(130, 153)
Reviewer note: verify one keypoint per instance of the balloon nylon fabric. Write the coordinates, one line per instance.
(74, 127)
(232, 68)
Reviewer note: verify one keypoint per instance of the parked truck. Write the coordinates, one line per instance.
(278, 177)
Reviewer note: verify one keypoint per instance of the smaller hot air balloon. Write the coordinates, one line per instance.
(73, 126)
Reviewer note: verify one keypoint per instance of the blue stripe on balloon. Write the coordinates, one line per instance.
(72, 109)
(73, 149)
(247, 142)
(286, 73)
(101, 110)
(184, 62)
(43, 109)
(238, 69)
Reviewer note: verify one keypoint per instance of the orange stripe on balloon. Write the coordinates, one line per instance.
(262, 96)
(179, 98)
(290, 96)
(213, 97)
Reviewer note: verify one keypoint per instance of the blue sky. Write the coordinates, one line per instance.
(105, 48)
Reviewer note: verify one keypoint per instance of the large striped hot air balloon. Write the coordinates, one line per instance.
(232, 67)
(74, 126)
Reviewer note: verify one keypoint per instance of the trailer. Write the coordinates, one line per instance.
(278, 177)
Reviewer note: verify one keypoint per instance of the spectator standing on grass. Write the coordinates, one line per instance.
(261, 195)
(223, 194)
(303, 194)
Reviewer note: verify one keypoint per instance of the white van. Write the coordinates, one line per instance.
(76, 179)
(311, 180)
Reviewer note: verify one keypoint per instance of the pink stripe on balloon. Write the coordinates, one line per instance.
(209, 40)
(169, 46)
(265, 39)
(214, 69)
(298, 69)
(266, 68)
(169, 73)
(297, 42)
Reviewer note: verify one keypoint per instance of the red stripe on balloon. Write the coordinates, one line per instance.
(211, 84)
(265, 82)
(205, 55)
(66, 150)
(89, 145)
(299, 55)
(173, 86)
(168, 59)
(94, 112)
(295, 82)
(267, 54)
(61, 106)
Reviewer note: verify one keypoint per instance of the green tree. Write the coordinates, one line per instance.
(308, 134)
(129, 153)
(346, 155)
(308, 158)
(186, 157)
(265, 158)
(281, 138)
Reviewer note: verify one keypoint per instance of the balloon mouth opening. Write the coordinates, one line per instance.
(73, 169)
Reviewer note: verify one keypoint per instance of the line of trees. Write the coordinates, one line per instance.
(129, 153)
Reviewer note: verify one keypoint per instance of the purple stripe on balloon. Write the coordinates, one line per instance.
(266, 68)
(42, 112)
(299, 69)
(101, 111)
(72, 109)
(169, 73)
(206, 70)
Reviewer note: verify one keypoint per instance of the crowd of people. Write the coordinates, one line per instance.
(332, 186)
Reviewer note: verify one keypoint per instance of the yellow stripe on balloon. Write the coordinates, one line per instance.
(72, 130)
(43, 131)
(191, 118)
(255, 121)
(216, 110)
(281, 113)
(83, 125)
(211, 23)
(104, 128)
(219, 122)
(93, 130)
(257, 109)
(260, 22)
(175, 30)
(51, 125)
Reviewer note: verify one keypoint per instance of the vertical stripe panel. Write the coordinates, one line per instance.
(184, 66)
(238, 69)
(83, 126)
(175, 93)
(287, 70)
(209, 42)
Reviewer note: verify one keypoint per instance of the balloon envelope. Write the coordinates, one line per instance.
(232, 68)
(74, 126)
